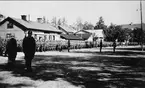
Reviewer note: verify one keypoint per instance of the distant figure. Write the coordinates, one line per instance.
(1, 47)
(101, 45)
(11, 50)
(68, 45)
(29, 48)
(114, 46)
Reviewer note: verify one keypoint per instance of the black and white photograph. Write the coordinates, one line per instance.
(72, 44)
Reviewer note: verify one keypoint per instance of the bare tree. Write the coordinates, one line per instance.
(59, 22)
(63, 21)
(54, 21)
(2, 17)
(44, 19)
(79, 24)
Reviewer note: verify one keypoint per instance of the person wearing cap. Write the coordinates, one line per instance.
(11, 49)
(29, 48)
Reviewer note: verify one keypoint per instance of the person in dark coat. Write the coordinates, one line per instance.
(101, 44)
(11, 50)
(114, 46)
(29, 48)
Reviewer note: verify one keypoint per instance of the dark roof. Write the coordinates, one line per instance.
(130, 26)
(30, 25)
(76, 36)
(66, 28)
(70, 37)
(82, 31)
(84, 36)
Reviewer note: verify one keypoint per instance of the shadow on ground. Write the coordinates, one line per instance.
(91, 72)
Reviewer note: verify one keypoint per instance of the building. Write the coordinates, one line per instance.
(66, 29)
(132, 26)
(97, 34)
(19, 28)
(91, 35)
(84, 35)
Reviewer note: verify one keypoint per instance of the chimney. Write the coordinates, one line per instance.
(24, 17)
(39, 20)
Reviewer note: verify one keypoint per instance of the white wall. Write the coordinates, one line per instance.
(19, 33)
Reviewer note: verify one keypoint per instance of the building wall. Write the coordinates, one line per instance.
(19, 33)
(40, 36)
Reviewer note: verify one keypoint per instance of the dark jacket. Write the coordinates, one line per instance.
(11, 47)
(29, 45)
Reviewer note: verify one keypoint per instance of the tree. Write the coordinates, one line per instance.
(59, 22)
(2, 17)
(63, 21)
(137, 35)
(114, 32)
(127, 34)
(79, 24)
(100, 24)
(44, 19)
(54, 21)
(87, 26)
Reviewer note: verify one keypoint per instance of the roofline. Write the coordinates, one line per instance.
(45, 31)
(25, 28)
(15, 22)
(70, 39)
(132, 24)
(82, 30)
(63, 29)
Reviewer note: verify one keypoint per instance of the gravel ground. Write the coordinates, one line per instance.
(76, 69)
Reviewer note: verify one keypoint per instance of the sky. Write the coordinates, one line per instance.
(116, 12)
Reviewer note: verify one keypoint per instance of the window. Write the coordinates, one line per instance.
(53, 37)
(50, 37)
(35, 36)
(40, 38)
(10, 25)
(8, 35)
(45, 37)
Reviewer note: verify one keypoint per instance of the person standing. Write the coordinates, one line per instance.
(114, 46)
(101, 45)
(29, 48)
(11, 50)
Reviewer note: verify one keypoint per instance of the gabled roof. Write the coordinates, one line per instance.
(30, 25)
(66, 28)
(97, 33)
(70, 37)
(130, 26)
(84, 36)
(81, 32)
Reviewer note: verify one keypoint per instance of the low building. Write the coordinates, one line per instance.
(19, 28)
(132, 26)
(66, 29)
(91, 35)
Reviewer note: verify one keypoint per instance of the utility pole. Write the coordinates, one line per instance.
(141, 24)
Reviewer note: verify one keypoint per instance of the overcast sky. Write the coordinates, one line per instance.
(117, 12)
